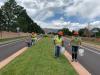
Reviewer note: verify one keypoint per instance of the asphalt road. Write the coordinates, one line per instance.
(90, 60)
(9, 48)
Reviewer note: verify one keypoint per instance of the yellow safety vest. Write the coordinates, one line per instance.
(58, 41)
(34, 36)
(76, 41)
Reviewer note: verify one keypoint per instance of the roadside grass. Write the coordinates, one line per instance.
(93, 42)
(39, 60)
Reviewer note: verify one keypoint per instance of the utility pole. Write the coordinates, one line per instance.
(88, 27)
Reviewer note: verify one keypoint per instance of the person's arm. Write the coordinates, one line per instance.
(71, 40)
(62, 43)
(54, 42)
(80, 41)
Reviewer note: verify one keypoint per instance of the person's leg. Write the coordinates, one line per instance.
(73, 53)
(32, 42)
(76, 51)
(55, 51)
(58, 51)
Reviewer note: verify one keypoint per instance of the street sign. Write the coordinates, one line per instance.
(95, 31)
(18, 29)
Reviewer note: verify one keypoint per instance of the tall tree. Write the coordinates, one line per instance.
(16, 16)
(81, 32)
(10, 11)
(26, 24)
(66, 31)
(0, 19)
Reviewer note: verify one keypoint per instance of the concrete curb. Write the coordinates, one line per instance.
(12, 57)
(77, 66)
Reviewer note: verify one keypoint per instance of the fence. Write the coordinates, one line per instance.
(5, 34)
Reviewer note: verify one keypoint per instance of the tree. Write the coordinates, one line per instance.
(1, 19)
(87, 32)
(66, 31)
(26, 24)
(81, 32)
(10, 11)
(16, 16)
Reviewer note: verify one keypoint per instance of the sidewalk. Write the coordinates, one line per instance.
(77, 66)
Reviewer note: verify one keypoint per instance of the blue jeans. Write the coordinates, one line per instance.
(57, 51)
(33, 42)
(74, 52)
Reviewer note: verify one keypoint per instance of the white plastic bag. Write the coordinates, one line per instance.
(62, 50)
(81, 52)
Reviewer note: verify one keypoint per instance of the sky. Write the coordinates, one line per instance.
(57, 14)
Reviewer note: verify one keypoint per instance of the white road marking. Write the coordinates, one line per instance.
(14, 42)
(93, 47)
(10, 43)
(91, 50)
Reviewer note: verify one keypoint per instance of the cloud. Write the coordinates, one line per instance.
(41, 10)
(95, 24)
(85, 8)
(59, 24)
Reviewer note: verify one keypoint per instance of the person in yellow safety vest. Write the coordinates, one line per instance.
(34, 38)
(58, 42)
(75, 43)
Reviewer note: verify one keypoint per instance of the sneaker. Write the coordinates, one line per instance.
(72, 60)
(75, 60)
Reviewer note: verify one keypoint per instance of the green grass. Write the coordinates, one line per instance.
(93, 42)
(39, 60)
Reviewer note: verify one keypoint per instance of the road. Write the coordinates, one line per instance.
(90, 60)
(9, 48)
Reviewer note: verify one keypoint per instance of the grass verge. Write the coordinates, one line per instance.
(39, 60)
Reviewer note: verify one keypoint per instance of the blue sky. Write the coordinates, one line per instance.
(73, 14)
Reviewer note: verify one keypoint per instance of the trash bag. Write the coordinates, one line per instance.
(81, 52)
(62, 50)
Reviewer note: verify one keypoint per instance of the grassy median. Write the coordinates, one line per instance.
(39, 60)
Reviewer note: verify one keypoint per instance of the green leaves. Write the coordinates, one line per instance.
(16, 16)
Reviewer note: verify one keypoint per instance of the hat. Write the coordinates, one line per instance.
(60, 33)
(76, 33)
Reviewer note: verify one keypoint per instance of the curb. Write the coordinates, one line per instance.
(77, 66)
(12, 57)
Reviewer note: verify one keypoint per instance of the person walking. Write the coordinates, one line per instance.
(58, 42)
(34, 38)
(75, 43)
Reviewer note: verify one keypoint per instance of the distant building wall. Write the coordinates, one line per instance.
(5, 34)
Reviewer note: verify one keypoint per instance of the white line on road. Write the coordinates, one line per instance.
(91, 50)
(93, 47)
(9, 43)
